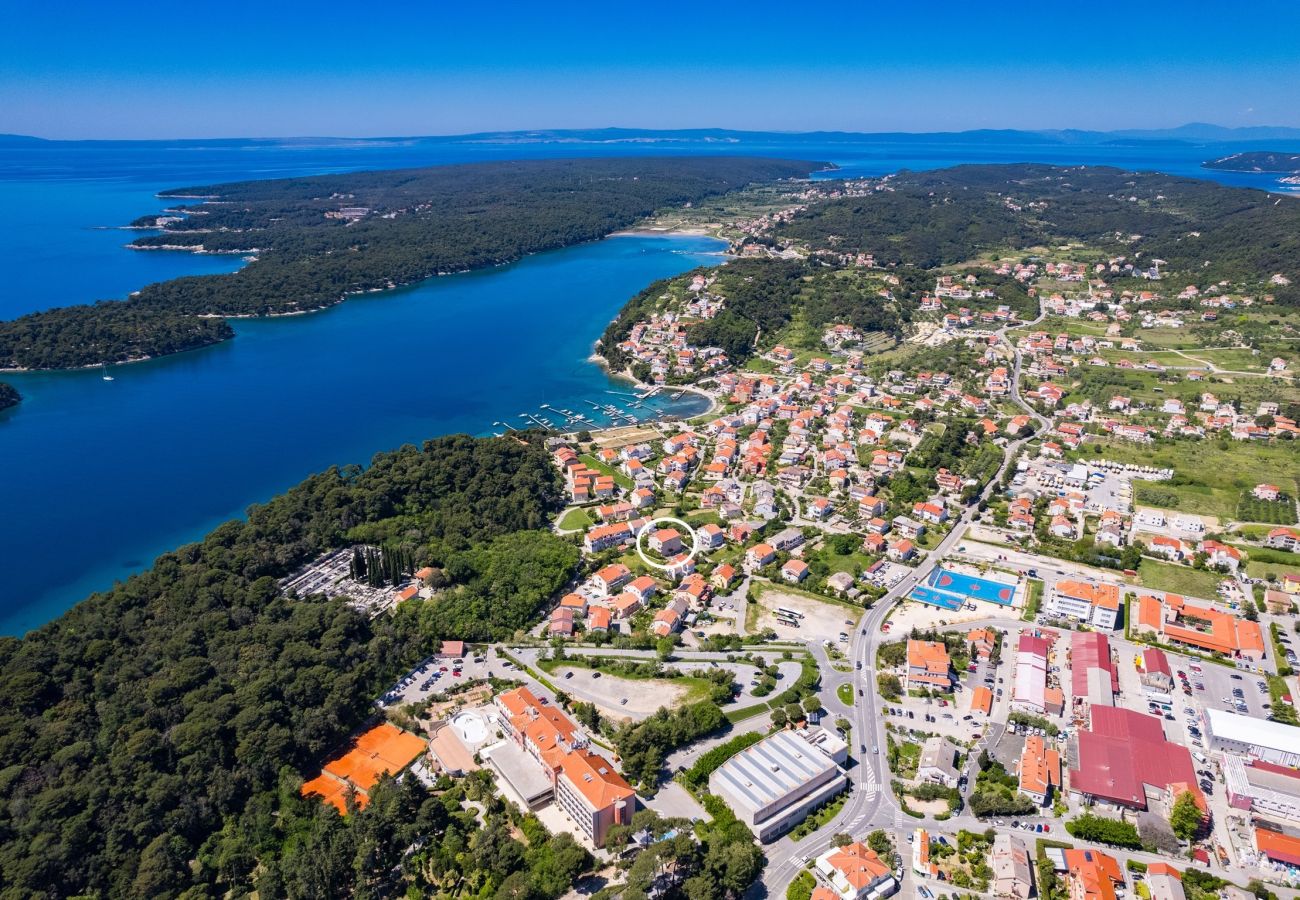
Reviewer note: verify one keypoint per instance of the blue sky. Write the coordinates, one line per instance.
(151, 69)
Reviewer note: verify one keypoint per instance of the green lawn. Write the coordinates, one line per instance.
(904, 757)
(1035, 601)
(1259, 569)
(576, 518)
(845, 693)
(1179, 579)
(819, 817)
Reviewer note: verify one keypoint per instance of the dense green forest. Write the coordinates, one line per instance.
(762, 297)
(109, 331)
(418, 223)
(409, 840)
(1204, 230)
(9, 395)
(152, 737)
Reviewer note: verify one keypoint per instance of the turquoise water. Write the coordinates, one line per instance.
(97, 478)
(100, 476)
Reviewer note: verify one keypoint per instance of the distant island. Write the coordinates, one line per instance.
(1270, 161)
(9, 396)
(318, 240)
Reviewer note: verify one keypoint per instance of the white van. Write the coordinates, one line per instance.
(1200, 758)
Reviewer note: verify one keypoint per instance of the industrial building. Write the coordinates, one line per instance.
(774, 784)
(1257, 738)
(1124, 759)
(1262, 788)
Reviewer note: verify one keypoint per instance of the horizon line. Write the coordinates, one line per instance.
(1151, 133)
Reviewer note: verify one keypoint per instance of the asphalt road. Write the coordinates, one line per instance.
(872, 804)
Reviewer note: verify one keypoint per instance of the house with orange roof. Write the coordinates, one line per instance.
(981, 700)
(1092, 875)
(574, 602)
(928, 665)
(711, 536)
(982, 640)
(1039, 770)
(1168, 547)
(856, 872)
(665, 541)
(598, 618)
(1173, 619)
(1095, 603)
(758, 556)
(666, 621)
(611, 578)
(626, 605)
(794, 571)
(921, 862)
(585, 786)
(902, 550)
(723, 576)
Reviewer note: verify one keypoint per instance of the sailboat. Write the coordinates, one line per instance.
(104, 369)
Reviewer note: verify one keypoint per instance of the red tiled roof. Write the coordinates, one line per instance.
(1125, 750)
(1090, 650)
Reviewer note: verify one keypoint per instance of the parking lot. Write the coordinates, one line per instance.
(1103, 489)
(434, 675)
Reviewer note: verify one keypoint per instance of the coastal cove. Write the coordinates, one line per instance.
(172, 447)
(100, 477)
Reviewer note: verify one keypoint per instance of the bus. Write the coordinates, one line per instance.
(788, 613)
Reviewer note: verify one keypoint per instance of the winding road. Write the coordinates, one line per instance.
(871, 804)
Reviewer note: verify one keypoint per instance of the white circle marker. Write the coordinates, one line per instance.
(666, 567)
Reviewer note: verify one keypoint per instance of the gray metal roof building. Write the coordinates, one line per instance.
(772, 785)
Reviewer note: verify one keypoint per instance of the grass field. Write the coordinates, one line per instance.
(1179, 579)
(1210, 476)
(1260, 569)
(575, 518)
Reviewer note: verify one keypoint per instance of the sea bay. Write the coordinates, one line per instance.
(99, 477)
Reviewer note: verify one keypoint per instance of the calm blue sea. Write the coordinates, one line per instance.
(97, 478)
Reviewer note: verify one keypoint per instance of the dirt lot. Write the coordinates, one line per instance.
(644, 695)
(629, 434)
(910, 614)
(822, 621)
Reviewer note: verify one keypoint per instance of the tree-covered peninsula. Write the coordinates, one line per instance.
(9, 396)
(317, 240)
(1270, 161)
(152, 739)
